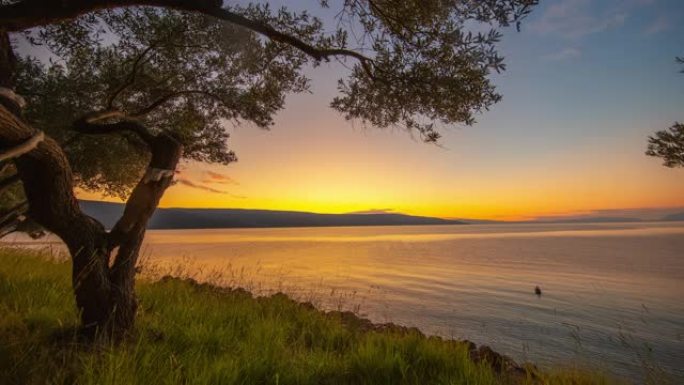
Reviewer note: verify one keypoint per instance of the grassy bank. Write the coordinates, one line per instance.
(193, 334)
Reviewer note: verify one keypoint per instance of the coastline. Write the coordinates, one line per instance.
(196, 333)
(482, 354)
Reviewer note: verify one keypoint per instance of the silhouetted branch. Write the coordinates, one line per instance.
(33, 13)
(131, 76)
(88, 125)
(171, 96)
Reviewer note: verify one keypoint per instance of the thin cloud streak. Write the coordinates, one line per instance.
(374, 211)
(576, 19)
(215, 177)
(186, 182)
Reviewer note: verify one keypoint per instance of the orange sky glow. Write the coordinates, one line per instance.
(324, 164)
(579, 103)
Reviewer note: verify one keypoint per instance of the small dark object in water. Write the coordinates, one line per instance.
(537, 290)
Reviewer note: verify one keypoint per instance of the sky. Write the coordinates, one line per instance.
(587, 82)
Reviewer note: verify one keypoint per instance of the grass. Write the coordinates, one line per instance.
(193, 334)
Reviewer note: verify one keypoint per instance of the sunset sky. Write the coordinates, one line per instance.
(587, 82)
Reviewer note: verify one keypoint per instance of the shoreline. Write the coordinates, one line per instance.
(192, 332)
(500, 363)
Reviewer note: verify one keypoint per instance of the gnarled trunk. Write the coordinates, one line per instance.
(104, 295)
(47, 180)
(129, 231)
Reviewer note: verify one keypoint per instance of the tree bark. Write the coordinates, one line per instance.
(48, 186)
(7, 60)
(37, 13)
(105, 295)
(129, 231)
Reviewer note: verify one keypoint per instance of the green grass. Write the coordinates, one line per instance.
(188, 334)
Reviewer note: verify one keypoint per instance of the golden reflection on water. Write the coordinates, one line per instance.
(408, 233)
(600, 282)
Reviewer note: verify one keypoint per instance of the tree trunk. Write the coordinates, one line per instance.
(129, 231)
(48, 186)
(104, 295)
(7, 61)
(47, 181)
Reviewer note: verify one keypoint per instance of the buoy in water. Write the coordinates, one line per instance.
(537, 290)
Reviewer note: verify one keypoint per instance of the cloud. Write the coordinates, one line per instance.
(574, 19)
(192, 184)
(373, 211)
(661, 24)
(564, 54)
(189, 183)
(215, 177)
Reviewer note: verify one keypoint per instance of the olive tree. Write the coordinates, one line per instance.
(139, 85)
(125, 113)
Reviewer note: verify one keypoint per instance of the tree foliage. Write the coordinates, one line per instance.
(188, 73)
(164, 69)
(131, 86)
(428, 67)
(669, 144)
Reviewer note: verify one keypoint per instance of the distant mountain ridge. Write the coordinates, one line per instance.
(189, 218)
(180, 218)
(674, 217)
(590, 220)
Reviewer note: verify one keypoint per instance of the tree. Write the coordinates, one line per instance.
(126, 112)
(669, 144)
(165, 74)
(132, 102)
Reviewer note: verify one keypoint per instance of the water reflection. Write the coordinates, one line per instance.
(611, 292)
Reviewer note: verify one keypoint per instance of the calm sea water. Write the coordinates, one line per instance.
(613, 294)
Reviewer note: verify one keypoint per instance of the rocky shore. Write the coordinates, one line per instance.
(500, 363)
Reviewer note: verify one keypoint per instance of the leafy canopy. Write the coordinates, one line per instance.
(669, 144)
(427, 66)
(415, 64)
(185, 74)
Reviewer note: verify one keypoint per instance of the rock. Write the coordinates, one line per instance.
(502, 364)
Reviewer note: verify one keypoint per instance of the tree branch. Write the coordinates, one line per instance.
(88, 125)
(33, 13)
(166, 153)
(131, 76)
(47, 169)
(168, 97)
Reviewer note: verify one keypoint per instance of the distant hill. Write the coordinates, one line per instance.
(674, 217)
(590, 220)
(177, 218)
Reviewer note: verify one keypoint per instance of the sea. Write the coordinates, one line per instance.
(612, 294)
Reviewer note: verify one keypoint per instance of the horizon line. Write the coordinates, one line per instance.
(589, 214)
